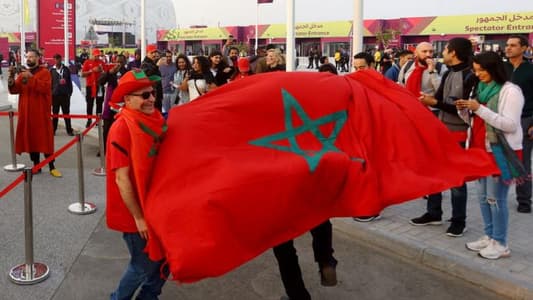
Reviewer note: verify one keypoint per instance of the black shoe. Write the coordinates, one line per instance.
(365, 219)
(98, 154)
(524, 208)
(328, 275)
(456, 229)
(88, 123)
(70, 133)
(426, 219)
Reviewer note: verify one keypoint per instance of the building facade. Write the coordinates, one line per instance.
(488, 31)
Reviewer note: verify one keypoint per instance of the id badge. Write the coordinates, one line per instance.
(62, 81)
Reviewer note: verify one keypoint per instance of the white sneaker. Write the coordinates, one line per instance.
(494, 250)
(478, 245)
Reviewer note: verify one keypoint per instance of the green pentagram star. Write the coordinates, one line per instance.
(312, 157)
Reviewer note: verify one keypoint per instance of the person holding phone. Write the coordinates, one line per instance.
(33, 85)
(457, 82)
(92, 70)
(499, 105)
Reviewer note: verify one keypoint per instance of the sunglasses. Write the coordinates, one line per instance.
(145, 95)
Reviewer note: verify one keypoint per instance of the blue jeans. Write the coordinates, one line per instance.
(493, 202)
(140, 271)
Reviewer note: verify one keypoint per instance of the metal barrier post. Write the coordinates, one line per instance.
(81, 207)
(13, 167)
(30, 272)
(100, 171)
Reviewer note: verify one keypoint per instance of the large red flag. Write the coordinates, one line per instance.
(262, 160)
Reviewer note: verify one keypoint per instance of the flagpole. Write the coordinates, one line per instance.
(65, 22)
(22, 33)
(256, 27)
(143, 38)
(290, 37)
(357, 31)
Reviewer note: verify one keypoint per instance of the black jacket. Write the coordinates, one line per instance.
(61, 81)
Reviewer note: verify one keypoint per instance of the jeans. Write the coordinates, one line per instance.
(493, 203)
(434, 205)
(168, 101)
(141, 271)
(523, 191)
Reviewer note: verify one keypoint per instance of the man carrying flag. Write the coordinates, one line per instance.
(132, 145)
(269, 148)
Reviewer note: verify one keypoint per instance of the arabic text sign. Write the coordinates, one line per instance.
(482, 24)
(51, 29)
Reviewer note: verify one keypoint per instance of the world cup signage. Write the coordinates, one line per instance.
(50, 29)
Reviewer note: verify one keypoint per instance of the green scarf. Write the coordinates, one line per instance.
(512, 169)
(486, 91)
(489, 94)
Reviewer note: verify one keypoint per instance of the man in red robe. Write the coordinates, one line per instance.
(34, 127)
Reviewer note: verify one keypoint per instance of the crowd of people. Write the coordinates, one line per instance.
(485, 102)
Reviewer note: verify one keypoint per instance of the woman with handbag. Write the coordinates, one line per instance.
(200, 80)
(499, 106)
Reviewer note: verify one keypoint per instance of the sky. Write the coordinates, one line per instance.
(243, 12)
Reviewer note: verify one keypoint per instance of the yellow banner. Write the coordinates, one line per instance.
(211, 33)
(312, 30)
(521, 22)
(11, 38)
(26, 12)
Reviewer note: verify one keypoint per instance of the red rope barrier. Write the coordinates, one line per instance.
(12, 186)
(71, 116)
(75, 116)
(86, 131)
(36, 168)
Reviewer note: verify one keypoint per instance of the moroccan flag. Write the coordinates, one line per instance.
(264, 159)
(264, 1)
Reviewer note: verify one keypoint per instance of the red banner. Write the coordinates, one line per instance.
(50, 28)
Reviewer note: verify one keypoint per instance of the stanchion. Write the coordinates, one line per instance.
(81, 207)
(13, 167)
(100, 171)
(30, 272)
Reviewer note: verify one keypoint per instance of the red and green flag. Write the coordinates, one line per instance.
(264, 159)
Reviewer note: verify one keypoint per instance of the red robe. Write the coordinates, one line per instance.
(34, 126)
(263, 160)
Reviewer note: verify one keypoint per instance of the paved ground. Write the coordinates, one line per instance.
(86, 259)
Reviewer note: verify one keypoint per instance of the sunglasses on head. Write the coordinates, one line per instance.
(145, 95)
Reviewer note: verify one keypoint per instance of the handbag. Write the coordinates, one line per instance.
(197, 89)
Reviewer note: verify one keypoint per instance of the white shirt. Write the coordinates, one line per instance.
(507, 119)
(197, 90)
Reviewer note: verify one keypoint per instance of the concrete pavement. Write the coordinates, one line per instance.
(86, 259)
